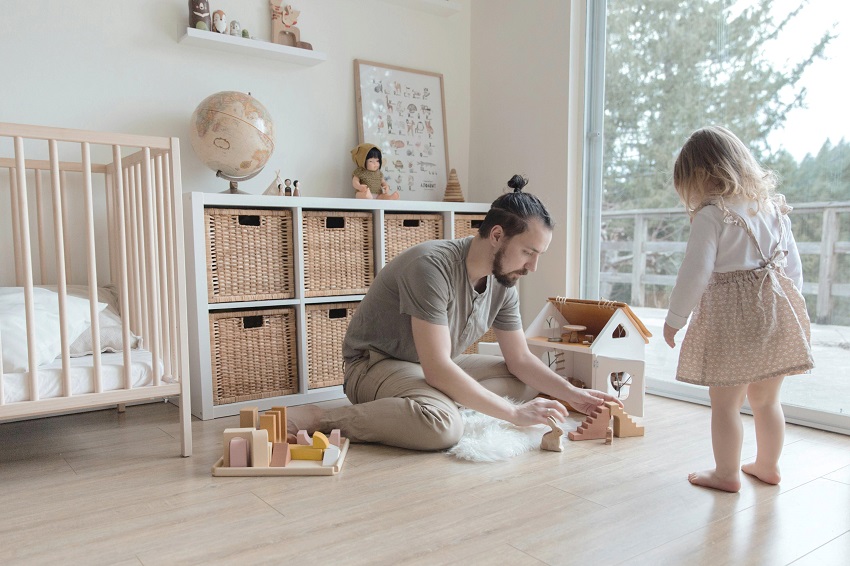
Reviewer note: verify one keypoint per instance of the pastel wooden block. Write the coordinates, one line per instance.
(594, 426)
(232, 433)
(624, 425)
(281, 422)
(335, 438)
(238, 452)
(280, 455)
(320, 440)
(303, 438)
(248, 418)
(330, 456)
(260, 449)
(301, 452)
(268, 422)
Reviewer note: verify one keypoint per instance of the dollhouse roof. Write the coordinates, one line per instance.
(596, 314)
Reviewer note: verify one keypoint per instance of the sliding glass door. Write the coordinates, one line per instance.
(765, 69)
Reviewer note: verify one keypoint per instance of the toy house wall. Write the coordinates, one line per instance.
(118, 66)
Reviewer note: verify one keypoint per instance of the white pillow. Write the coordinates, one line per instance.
(13, 325)
(111, 336)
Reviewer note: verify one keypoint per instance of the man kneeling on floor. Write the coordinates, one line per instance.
(405, 373)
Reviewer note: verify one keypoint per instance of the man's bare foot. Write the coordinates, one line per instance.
(767, 475)
(302, 417)
(709, 478)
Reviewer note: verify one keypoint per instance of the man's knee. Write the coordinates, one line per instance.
(442, 431)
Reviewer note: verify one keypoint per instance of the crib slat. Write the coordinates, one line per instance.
(161, 225)
(39, 206)
(123, 297)
(66, 242)
(152, 263)
(139, 234)
(56, 180)
(16, 229)
(92, 266)
(24, 224)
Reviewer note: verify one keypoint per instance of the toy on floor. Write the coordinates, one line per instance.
(260, 442)
(552, 439)
(597, 425)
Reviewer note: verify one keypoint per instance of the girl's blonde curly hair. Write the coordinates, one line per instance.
(715, 163)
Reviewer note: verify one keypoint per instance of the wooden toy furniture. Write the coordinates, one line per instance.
(594, 426)
(101, 213)
(597, 425)
(274, 281)
(613, 361)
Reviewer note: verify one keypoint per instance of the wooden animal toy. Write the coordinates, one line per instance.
(219, 21)
(199, 15)
(284, 19)
(552, 439)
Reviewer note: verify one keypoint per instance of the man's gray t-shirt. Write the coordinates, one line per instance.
(428, 281)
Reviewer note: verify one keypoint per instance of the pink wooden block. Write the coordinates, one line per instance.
(335, 438)
(238, 452)
(304, 438)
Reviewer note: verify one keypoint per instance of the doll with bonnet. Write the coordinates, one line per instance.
(367, 179)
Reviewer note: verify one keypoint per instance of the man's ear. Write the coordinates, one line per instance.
(497, 233)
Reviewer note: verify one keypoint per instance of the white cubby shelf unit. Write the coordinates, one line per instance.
(302, 296)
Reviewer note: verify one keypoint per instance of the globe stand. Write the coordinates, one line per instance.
(234, 182)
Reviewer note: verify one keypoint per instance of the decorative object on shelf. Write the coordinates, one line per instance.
(235, 28)
(453, 192)
(573, 330)
(199, 15)
(219, 21)
(401, 111)
(296, 188)
(233, 134)
(284, 19)
(245, 34)
(368, 179)
(276, 187)
(554, 331)
(287, 188)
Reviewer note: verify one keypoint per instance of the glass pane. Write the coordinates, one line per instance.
(767, 71)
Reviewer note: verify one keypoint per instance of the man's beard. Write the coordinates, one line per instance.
(505, 279)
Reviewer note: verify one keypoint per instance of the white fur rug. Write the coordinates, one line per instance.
(486, 439)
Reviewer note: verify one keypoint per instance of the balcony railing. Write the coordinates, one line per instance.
(831, 254)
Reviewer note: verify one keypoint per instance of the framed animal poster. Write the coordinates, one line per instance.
(402, 111)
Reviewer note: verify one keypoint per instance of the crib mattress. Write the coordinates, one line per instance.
(16, 385)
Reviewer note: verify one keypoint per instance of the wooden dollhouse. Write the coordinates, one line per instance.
(608, 355)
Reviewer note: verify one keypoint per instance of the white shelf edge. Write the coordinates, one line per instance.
(251, 47)
(438, 7)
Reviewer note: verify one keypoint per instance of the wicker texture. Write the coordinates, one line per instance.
(326, 327)
(489, 336)
(404, 230)
(467, 224)
(338, 253)
(249, 255)
(253, 354)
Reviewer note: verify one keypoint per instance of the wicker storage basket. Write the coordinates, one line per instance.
(253, 354)
(326, 326)
(489, 336)
(338, 254)
(249, 255)
(467, 224)
(404, 230)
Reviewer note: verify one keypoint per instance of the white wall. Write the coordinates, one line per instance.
(520, 123)
(116, 65)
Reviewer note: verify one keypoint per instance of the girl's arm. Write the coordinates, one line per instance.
(793, 268)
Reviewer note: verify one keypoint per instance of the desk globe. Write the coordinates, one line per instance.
(233, 134)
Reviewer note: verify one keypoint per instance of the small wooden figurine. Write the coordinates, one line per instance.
(284, 19)
(219, 21)
(287, 188)
(367, 179)
(296, 188)
(235, 28)
(453, 192)
(276, 186)
(552, 439)
(199, 15)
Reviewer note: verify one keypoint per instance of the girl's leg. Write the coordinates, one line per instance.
(770, 429)
(727, 434)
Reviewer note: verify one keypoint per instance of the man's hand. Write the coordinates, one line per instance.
(538, 411)
(587, 400)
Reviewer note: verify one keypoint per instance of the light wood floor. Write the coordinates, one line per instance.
(110, 488)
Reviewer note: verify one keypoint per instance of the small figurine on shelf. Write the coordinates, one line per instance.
(367, 179)
(235, 28)
(199, 15)
(296, 189)
(276, 188)
(219, 21)
(287, 188)
(453, 192)
(284, 19)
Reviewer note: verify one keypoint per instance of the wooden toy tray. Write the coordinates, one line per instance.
(295, 467)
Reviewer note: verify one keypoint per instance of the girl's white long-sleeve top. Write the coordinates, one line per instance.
(718, 246)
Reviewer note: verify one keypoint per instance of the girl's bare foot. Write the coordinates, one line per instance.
(766, 474)
(302, 417)
(709, 478)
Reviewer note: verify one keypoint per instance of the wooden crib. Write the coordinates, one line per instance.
(93, 217)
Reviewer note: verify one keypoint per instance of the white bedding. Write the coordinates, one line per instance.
(16, 385)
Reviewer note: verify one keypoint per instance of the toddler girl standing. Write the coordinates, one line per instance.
(741, 276)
